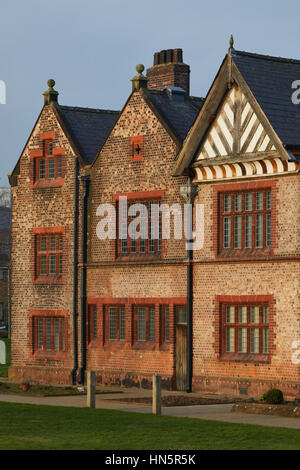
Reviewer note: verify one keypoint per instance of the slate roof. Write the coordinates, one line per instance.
(270, 80)
(5, 197)
(5, 218)
(88, 128)
(180, 113)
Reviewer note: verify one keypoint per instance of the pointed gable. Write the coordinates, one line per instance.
(248, 116)
(236, 129)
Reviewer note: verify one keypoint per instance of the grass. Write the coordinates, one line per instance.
(45, 390)
(4, 367)
(47, 427)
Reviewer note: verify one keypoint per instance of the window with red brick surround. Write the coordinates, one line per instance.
(136, 146)
(149, 241)
(47, 163)
(48, 255)
(156, 326)
(144, 323)
(246, 329)
(115, 323)
(245, 222)
(49, 334)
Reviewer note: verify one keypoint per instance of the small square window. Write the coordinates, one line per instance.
(137, 148)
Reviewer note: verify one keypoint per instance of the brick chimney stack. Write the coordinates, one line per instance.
(169, 70)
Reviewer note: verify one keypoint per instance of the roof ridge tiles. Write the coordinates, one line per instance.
(265, 57)
(89, 110)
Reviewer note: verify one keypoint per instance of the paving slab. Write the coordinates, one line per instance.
(209, 412)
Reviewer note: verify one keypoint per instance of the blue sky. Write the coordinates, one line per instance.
(91, 48)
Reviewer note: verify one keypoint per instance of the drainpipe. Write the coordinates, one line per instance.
(75, 277)
(189, 321)
(85, 184)
(189, 192)
(7, 269)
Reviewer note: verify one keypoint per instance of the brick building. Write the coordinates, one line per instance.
(5, 216)
(221, 318)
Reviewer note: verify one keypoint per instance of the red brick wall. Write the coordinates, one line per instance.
(276, 275)
(41, 208)
(112, 174)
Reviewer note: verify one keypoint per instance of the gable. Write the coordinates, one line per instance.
(236, 130)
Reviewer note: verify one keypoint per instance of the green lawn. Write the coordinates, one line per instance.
(49, 427)
(4, 367)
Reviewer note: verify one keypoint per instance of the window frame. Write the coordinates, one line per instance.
(53, 165)
(48, 155)
(120, 311)
(267, 212)
(143, 342)
(249, 325)
(62, 334)
(147, 252)
(48, 254)
(164, 319)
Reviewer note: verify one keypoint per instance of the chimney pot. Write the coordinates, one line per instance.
(177, 55)
(169, 55)
(163, 56)
(156, 58)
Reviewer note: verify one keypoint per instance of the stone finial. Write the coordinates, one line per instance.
(139, 81)
(231, 43)
(50, 95)
(140, 68)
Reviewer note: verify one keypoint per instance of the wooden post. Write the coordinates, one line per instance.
(91, 389)
(156, 394)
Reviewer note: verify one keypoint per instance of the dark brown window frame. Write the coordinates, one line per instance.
(151, 247)
(62, 334)
(58, 253)
(233, 250)
(118, 337)
(247, 356)
(136, 339)
(48, 155)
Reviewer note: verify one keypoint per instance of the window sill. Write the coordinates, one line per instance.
(245, 357)
(48, 183)
(165, 347)
(245, 253)
(53, 355)
(49, 280)
(139, 257)
(148, 345)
